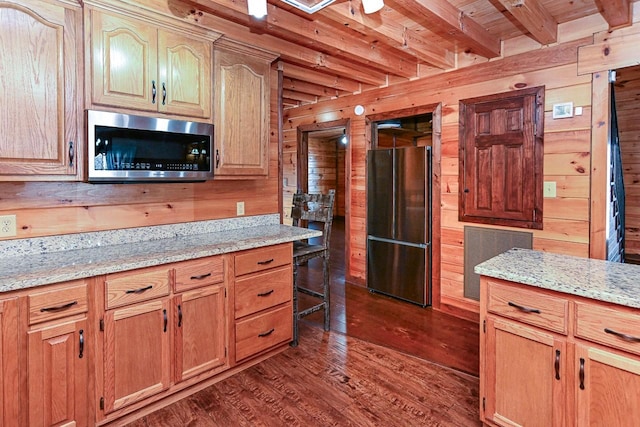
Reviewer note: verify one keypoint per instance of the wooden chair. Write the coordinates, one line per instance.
(312, 208)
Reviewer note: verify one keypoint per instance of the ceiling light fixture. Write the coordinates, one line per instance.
(343, 138)
(257, 8)
(372, 6)
(309, 6)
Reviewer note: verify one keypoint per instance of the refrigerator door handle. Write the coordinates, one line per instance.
(399, 242)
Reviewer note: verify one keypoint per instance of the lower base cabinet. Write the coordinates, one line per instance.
(554, 359)
(9, 333)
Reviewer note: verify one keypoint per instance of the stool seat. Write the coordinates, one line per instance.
(312, 208)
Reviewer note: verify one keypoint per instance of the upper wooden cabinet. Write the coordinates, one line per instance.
(40, 112)
(243, 107)
(136, 65)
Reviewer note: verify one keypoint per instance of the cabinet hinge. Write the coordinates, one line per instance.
(225, 292)
(101, 325)
(225, 352)
(484, 326)
(484, 403)
(102, 403)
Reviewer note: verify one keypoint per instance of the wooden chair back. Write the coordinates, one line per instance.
(314, 208)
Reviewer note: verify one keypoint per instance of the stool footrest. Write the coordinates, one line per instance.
(312, 309)
(311, 292)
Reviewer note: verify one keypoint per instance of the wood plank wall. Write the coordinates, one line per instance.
(627, 93)
(566, 147)
(326, 169)
(50, 208)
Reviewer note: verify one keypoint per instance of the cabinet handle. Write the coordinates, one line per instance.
(269, 261)
(266, 334)
(179, 316)
(164, 93)
(523, 308)
(217, 158)
(625, 337)
(581, 373)
(164, 316)
(153, 91)
(139, 290)
(72, 154)
(265, 294)
(81, 339)
(557, 364)
(59, 307)
(200, 277)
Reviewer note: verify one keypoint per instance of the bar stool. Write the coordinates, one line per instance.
(312, 208)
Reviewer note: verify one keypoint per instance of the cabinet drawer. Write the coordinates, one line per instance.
(528, 306)
(264, 290)
(133, 286)
(57, 303)
(614, 328)
(262, 331)
(263, 258)
(198, 272)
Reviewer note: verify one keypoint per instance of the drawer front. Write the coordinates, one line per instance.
(263, 331)
(263, 258)
(528, 306)
(198, 272)
(615, 328)
(260, 291)
(134, 286)
(57, 303)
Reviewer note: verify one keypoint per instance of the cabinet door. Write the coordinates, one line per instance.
(200, 337)
(58, 375)
(242, 115)
(9, 362)
(608, 386)
(525, 375)
(184, 67)
(124, 62)
(137, 353)
(39, 112)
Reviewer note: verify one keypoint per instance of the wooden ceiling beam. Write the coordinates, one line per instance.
(321, 36)
(290, 102)
(617, 13)
(388, 27)
(322, 79)
(535, 18)
(447, 21)
(289, 51)
(299, 96)
(311, 88)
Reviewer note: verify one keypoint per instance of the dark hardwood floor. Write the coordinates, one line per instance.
(384, 363)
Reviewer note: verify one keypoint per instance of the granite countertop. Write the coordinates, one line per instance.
(613, 282)
(33, 262)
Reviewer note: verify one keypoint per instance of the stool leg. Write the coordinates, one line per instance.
(326, 292)
(294, 343)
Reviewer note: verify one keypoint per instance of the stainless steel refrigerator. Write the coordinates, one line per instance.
(399, 223)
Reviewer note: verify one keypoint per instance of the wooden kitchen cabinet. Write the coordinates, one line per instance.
(554, 359)
(9, 332)
(41, 109)
(243, 108)
(136, 65)
(58, 341)
(263, 304)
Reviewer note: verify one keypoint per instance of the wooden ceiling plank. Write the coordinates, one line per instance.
(311, 88)
(300, 73)
(305, 97)
(448, 21)
(290, 102)
(290, 51)
(617, 13)
(322, 37)
(535, 18)
(389, 28)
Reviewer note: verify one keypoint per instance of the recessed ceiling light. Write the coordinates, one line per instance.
(308, 6)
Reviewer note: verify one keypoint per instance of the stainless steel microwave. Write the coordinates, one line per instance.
(129, 148)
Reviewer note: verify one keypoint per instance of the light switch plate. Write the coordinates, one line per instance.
(549, 189)
(240, 208)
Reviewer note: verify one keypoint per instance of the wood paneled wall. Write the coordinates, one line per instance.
(627, 93)
(327, 169)
(566, 148)
(50, 208)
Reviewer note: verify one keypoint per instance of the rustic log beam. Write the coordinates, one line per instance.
(311, 88)
(448, 21)
(301, 73)
(387, 26)
(299, 96)
(535, 18)
(617, 13)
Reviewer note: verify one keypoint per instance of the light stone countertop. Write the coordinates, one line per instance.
(34, 262)
(613, 282)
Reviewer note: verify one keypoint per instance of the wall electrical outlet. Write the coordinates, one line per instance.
(240, 208)
(7, 226)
